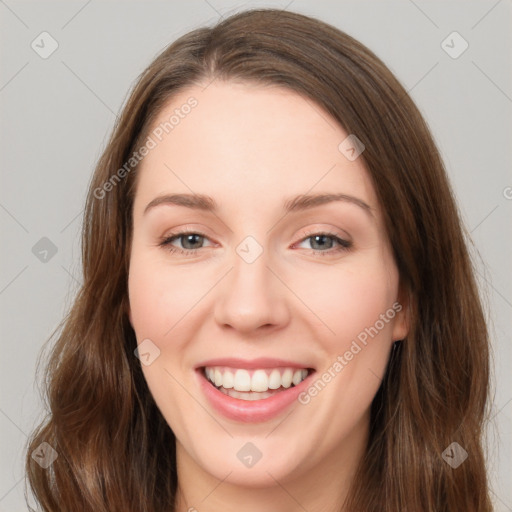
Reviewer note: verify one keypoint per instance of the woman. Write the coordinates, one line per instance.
(278, 309)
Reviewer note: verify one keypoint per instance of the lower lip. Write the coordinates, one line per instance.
(250, 411)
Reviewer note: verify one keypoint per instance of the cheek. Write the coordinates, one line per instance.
(159, 303)
(159, 299)
(357, 306)
(351, 300)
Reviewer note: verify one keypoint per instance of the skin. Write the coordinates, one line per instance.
(251, 148)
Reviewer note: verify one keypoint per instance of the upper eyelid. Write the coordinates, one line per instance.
(178, 235)
(328, 232)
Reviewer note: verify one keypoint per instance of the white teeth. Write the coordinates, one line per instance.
(218, 377)
(274, 380)
(250, 396)
(297, 377)
(258, 381)
(242, 381)
(287, 377)
(228, 380)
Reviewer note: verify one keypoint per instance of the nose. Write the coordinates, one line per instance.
(251, 297)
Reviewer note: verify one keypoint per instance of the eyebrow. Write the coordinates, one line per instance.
(295, 204)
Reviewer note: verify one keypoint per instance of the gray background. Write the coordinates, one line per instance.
(57, 112)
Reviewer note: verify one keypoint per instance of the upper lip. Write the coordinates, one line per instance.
(260, 362)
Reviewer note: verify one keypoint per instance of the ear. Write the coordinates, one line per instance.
(402, 306)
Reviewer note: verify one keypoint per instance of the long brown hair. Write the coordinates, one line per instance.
(115, 450)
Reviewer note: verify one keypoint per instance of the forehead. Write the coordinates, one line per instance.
(248, 142)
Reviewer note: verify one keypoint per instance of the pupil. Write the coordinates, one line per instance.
(316, 237)
(191, 237)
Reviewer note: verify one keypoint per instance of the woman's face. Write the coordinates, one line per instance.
(264, 288)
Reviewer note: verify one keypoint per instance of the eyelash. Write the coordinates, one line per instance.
(343, 245)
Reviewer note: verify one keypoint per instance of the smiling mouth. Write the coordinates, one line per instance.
(254, 384)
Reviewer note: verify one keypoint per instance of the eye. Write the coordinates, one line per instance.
(325, 243)
(190, 240)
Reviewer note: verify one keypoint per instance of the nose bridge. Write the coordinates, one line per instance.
(251, 296)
